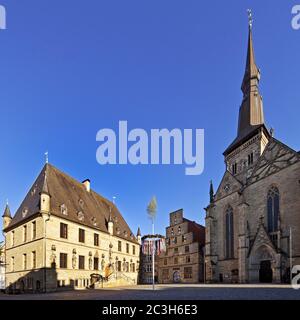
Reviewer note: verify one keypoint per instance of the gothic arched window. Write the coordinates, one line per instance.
(273, 209)
(229, 238)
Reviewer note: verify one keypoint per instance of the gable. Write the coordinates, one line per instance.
(276, 157)
(229, 184)
(261, 239)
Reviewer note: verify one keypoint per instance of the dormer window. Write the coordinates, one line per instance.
(64, 210)
(80, 215)
(94, 221)
(81, 203)
(24, 212)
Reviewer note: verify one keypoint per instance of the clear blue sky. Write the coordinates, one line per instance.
(70, 68)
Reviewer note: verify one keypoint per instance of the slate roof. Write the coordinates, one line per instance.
(70, 200)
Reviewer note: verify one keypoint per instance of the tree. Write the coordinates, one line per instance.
(152, 208)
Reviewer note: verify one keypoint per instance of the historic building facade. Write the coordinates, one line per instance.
(2, 266)
(66, 235)
(253, 220)
(183, 261)
(146, 264)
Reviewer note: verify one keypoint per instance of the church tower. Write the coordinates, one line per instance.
(252, 134)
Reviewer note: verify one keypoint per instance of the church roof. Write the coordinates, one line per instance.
(251, 115)
(71, 201)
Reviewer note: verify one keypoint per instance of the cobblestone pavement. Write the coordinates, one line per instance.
(170, 292)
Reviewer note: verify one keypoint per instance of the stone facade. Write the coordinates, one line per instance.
(183, 260)
(45, 251)
(255, 210)
(2, 266)
(146, 265)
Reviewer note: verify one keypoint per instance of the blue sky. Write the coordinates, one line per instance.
(70, 68)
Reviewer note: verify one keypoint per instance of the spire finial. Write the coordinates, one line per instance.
(250, 18)
(47, 157)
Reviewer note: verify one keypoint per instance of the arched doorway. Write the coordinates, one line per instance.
(262, 262)
(265, 272)
(176, 277)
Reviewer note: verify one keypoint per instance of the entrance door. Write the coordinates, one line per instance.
(265, 272)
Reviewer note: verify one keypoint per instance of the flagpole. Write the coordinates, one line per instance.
(153, 257)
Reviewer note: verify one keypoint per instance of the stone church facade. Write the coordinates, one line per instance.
(253, 219)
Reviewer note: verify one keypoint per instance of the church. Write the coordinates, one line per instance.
(253, 219)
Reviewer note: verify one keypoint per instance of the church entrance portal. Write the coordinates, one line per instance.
(265, 272)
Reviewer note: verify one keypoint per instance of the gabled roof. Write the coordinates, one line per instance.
(275, 157)
(228, 179)
(71, 201)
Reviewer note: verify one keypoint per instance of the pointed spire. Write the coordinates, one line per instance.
(45, 188)
(252, 72)
(251, 111)
(251, 115)
(138, 232)
(6, 213)
(211, 192)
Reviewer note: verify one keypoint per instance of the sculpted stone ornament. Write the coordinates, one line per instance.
(227, 187)
(74, 259)
(102, 264)
(53, 259)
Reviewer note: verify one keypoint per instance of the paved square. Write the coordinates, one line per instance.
(171, 292)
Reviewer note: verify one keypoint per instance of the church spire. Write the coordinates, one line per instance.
(251, 115)
(252, 72)
(251, 111)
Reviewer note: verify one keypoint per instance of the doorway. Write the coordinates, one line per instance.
(265, 272)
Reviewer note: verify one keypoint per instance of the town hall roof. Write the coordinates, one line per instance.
(70, 200)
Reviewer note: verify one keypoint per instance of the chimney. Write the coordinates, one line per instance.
(87, 184)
